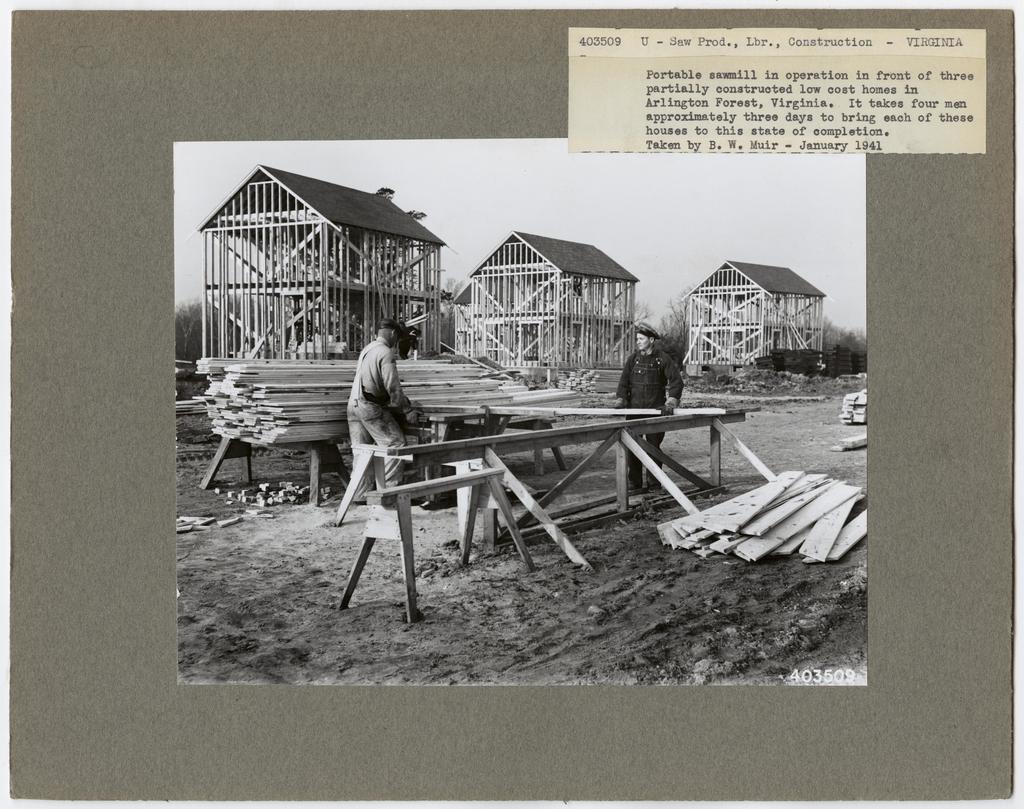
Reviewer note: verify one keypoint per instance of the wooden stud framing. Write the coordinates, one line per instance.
(282, 282)
(524, 312)
(734, 320)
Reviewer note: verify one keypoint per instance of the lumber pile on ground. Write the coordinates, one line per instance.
(855, 408)
(796, 361)
(590, 380)
(838, 361)
(290, 401)
(795, 513)
(580, 379)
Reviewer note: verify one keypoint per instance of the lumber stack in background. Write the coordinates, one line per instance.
(805, 361)
(802, 513)
(838, 361)
(855, 408)
(581, 379)
(590, 380)
(288, 401)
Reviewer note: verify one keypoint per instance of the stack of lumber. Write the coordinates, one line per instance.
(607, 380)
(190, 407)
(855, 408)
(838, 361)
(805, 361)
(795, 513)
(858, 362)
(289, 401)
(581, 379)
(546, 397)
(593, 380)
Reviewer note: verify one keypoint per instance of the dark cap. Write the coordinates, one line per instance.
(390, 323)
(648, 329)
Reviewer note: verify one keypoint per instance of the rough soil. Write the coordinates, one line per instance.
(256, 599)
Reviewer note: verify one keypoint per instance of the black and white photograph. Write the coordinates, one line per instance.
(487, 412)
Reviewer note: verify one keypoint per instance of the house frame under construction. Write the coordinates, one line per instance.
(538, 301)
(295, 267)
(742, 311)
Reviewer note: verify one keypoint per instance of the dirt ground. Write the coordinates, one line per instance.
(257, 599)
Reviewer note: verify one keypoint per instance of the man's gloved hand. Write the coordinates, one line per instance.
(412, 411)
(618, 404)
(670, 405)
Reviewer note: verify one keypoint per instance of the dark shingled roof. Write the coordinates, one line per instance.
(577, 258)
(571, 257)
(775, 279)
(465, 295)
(347, 206)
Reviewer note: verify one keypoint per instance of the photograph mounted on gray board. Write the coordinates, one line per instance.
(484, 412)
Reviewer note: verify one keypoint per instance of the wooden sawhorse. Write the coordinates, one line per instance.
(390, 517)
(323, 458)
(453, 426)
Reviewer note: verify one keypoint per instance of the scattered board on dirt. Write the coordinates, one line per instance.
(854, 442)
(795, 512)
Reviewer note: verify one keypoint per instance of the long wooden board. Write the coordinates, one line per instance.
(513, 484)
(429, 454)
(659, 474)
(746, 452)
(732, 514)
(826, 531)
(794, 542)
(756, 547)
(853, 532)
(769, 518)
(813, 511)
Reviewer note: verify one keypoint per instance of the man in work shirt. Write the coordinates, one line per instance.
(650, 378)
(376, 397)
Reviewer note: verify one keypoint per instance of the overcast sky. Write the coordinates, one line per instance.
(669, 219)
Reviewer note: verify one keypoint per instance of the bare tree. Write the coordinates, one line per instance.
(452, 288)
(188, 330)
(675, 326)
(833, 335)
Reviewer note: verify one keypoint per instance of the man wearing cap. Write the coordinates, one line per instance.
(375, 399)
(650, 378)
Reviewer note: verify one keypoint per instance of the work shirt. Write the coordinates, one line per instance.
(376, 378)
(648, 379)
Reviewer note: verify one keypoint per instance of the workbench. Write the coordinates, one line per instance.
(433, 426)
(624, 436)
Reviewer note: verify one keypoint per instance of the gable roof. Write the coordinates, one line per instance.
(775, 279)
(465, 295)
(346, 206)
(576, 257)
(571, 257)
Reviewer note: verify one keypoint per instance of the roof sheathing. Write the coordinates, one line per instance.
(342, 205)
(574, 258)
(780, 280)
